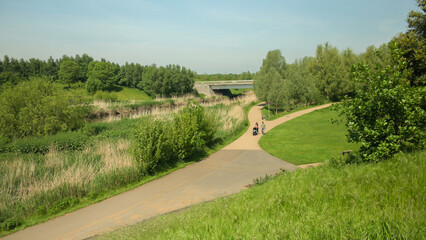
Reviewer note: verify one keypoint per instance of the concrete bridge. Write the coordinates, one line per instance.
(208, 87)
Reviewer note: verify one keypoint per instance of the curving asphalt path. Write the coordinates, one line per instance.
(225, 172)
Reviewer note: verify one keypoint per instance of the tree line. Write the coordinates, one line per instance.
(312, 80)
(100, 75)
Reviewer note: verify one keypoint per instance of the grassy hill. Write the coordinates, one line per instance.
(368, 201)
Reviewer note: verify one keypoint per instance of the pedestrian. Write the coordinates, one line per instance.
(256, 129)
(263, 127)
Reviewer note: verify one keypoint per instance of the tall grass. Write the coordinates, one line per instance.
(31, 184)
(367, 201)
(36, 186)
(169, 106)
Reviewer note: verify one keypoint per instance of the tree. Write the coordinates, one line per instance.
(386, 115)
(278, 93)
(413, 45)
(273, 65)
(300, 84)
(68, 72)
(83, 62)
(330, 74)
(101, 75)
(417, 20)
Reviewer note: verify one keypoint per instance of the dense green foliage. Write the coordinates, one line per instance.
(413, 45)
(310, 138)
(370, 201)
(100, 76)
(310, 80)
(330, 73)
(68, 72)
(160, 142)
(387, 114)
(59, 142)
(269, 82)
(37, 108)
(171, 80)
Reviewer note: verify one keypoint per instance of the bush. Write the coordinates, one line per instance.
(62, 141)
(63, 204)
(192, 130)
(386, 115)
(160, 142)
(11, 223)
(153, 144)
(38, 108)
(96, 128)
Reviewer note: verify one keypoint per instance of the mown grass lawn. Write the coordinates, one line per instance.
(310, 138)
(383, 200)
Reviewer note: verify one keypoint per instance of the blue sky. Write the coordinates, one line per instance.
(205, 36)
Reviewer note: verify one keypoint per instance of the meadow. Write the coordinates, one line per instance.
(44, 177)
(311, 138)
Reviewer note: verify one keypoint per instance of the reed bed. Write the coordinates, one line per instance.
(180, 102)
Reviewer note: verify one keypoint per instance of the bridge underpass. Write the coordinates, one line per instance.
(213, 87)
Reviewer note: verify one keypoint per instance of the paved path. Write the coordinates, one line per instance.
(223, 173)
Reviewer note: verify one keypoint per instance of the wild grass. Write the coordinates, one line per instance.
(310, 138)
(369, 201)
(173, 105)
(35, 187)
(32, 184)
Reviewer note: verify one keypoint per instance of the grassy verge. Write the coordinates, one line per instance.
(310, 138)
(367, 201)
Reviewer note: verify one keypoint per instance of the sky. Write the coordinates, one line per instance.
(219, 36)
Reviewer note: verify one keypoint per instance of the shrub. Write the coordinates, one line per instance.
(386, 115)
(153, 144)
(192, 130)
(11, 223)
(37, 108)
(63, 204)
(61, 141)
(96, 128)
(159, 142)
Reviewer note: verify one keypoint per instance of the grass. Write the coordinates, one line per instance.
(310, 138)
(38, 187)
(383, 200)
(131, 94)
(270, 114)
(238, 92)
